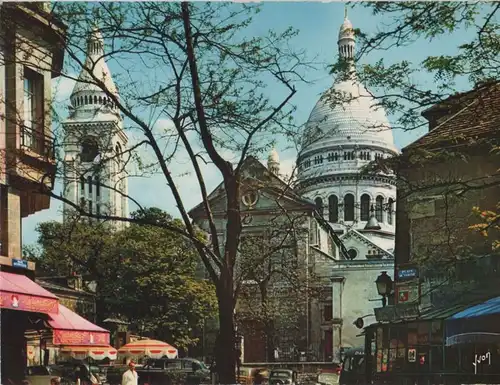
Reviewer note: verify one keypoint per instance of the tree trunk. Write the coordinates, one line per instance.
(269, 330)
(225, 354)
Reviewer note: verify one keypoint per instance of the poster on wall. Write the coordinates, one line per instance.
(412, 355)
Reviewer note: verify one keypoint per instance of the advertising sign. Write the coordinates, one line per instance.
(407, 293)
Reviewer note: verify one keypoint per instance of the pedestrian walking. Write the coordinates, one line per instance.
(130, 377)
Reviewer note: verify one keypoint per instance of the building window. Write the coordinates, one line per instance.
(352, 253)
(379, 209)
(32, 111)
(318, 159)
(327, 312)
(82, 184)
(319, 205)
(333, 209)
(349, 208)
(89, 181)
(90, 206)
(390, 210)
(365, 207)
(97, 187)
(90, 150)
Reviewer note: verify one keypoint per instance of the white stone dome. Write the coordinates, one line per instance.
(359, 121)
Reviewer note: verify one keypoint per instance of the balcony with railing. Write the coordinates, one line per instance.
(38, 143)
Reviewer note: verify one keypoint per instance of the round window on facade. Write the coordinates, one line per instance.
(250, 198)
(352, 253)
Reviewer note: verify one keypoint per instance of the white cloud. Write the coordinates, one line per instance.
(62, 88)
(164, 124)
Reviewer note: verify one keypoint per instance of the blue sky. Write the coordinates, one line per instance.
(318, 24)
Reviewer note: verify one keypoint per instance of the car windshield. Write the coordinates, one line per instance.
(281, 374)
(202, 365)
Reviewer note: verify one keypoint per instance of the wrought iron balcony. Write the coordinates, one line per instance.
(38, 142)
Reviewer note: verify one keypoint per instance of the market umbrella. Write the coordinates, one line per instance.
(148, 348)
(95, 352)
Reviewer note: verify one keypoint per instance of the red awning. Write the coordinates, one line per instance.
(18, 292)
(71, 329)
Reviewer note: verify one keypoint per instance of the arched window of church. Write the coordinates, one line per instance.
(390, 210)
(379, 208)
(86, 100)
(365, 207)
(349, 208)
(95, 99)
(100, 99)
(333, 209)
(319, 205)
(90, 150)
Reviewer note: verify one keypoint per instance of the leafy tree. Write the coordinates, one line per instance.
(144, 274)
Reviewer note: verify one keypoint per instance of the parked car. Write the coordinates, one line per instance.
(88, 374)
(41, 375)
(353, 371)
(282, 377)
(328, 378)
(253, 376)
(165, 371)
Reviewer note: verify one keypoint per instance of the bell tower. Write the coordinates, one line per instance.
(95, 143)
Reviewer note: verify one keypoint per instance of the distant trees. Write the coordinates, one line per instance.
(145, 275)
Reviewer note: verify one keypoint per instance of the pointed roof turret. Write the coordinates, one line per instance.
(86, 92)
(372, 223)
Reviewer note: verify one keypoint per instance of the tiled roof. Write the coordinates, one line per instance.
(58, 288)
(476, 114)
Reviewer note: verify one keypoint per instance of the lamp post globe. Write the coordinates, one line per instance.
(384, 286)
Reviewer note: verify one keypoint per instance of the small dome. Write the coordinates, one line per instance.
(346, 30)
(273, 156)
(372, 224)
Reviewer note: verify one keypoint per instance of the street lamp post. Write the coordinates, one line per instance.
(384, 286)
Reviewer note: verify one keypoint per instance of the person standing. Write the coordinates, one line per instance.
(130, 376)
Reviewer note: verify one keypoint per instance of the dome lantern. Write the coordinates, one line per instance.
(347, 40)
(273, 162)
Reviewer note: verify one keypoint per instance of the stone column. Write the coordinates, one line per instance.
(10, 222)
(337, 290)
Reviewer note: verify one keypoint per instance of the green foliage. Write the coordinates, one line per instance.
(144, 274)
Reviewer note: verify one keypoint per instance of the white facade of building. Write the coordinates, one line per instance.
(95, 143)
(343, 135)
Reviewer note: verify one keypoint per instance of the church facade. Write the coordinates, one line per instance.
(343, 240)
(95, 143)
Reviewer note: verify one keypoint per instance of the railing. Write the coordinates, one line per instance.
(38, 142)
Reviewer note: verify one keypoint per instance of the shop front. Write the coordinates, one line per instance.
(33, 324)
(24, 306)
(450, 346)
(69, 336)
